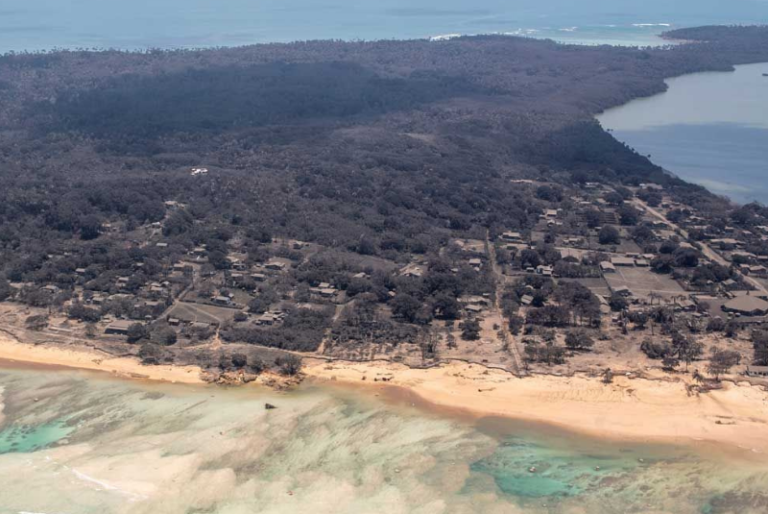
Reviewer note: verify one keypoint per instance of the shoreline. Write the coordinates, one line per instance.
(654, 409)
(78, 357)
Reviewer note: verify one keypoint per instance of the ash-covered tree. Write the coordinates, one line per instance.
(609, 235)
(722, 361)
(579, 340)
(289, 364)
(470, 330)
(136, 332)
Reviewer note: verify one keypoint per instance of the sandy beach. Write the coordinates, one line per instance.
(81, 358)
(629, 408)
(650, 409)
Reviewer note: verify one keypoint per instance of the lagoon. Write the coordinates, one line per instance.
(707, 128)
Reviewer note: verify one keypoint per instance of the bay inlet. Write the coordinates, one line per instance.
(707, 128)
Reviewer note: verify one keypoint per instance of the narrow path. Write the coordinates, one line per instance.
(501, 281)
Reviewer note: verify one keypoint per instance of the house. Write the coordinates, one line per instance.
(325, 292)
(412, 271)
(607, 267)
(623, 261)
(119, 327)
(162, 245)
(222, 300)
(474, 300)
(757, 371)
(275, 265)
(622, 291)
(512, 237)
(544, 270)
(747, 306)
(258, 277)
(526, 299)
(643, 263)
(270, 318)
(476, 263)
(80, 271)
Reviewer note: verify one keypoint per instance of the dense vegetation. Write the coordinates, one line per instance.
(385, 150)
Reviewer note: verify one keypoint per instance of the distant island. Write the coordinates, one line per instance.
(417, 202)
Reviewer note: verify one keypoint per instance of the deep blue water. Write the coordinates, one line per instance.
(727, 158)
(708, 128)
(45, 24)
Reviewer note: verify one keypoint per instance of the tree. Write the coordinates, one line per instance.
(760, 347)
(668, 247)
(136, 332)
(618, 303)
(722, 361)
(516, 324)
(663, 264)
(446, 307)
(716, 325)
(91, 331)
(406, 307)
(5, 289)
(529, 259)
(593, 218)
(686, 349)
(686, 257)
(628, 215)
(614, 199)
(37, 322)
(579, 340)
(239, 360)
(656, 350)
(670, 363)
(732, 329)
(150, 354)
(470, 330)
(164, 336)
(609, 235)
(639, 318)
(289, 364)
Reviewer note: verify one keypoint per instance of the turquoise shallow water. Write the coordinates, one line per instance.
(86, 444)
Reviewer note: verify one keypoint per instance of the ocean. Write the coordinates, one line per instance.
(47, 24)
(707, 128)
(80, 443)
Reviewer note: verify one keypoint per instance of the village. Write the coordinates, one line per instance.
(608, 279)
